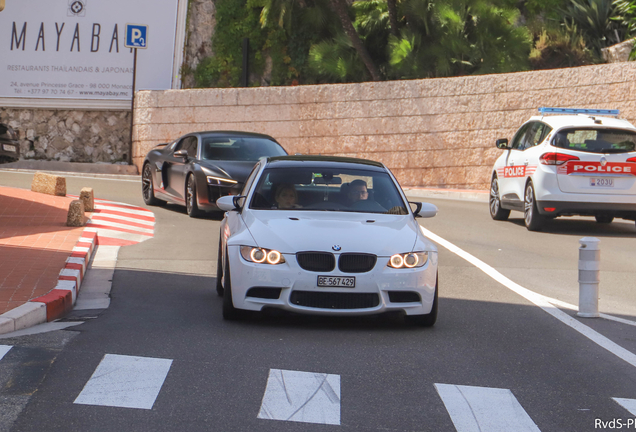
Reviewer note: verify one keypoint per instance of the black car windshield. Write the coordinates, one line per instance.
(239, 148)
(596, 140)
(327, 189)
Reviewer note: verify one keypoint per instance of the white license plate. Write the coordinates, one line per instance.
(9, 148)
(602, 182)
(337, 281)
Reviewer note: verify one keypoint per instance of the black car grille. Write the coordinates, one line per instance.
(404, 297)
(316, 261)
(264, 292)
(356, 263)
(334, 300)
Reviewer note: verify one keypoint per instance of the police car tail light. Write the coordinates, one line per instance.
(554, 158)
(261, 256)
(632, 160)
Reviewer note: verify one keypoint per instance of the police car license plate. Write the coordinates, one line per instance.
(337, 281)
(9, 148)
(602, 182)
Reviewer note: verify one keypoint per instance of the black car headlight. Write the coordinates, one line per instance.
(220, 181)
(261, 256)
(408, 260)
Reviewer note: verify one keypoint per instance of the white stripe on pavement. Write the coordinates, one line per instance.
(103, 232)
(125, 381)
(628, 404)
(538, 299)
(125, 210)
(120, 225)
(4, 349)
(301, 397)
(97, 216)
(477, 409)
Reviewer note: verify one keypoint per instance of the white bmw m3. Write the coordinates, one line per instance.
(326, 235)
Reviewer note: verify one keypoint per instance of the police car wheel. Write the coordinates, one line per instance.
(533, 220)
(496, 212)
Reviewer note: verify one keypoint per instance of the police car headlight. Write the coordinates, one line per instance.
(408, 260)
(261, 256)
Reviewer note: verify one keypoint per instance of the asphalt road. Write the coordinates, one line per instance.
(164, 306)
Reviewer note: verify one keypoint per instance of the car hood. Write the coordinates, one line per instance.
(237, 170)
(293, 231)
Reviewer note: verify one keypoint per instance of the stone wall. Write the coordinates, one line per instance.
(70, 135)
(433, 132)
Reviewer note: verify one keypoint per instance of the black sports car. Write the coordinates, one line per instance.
(9, 145)
(198, 168)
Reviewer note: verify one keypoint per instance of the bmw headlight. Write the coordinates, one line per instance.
(408, 260)
(261, 256)
(220, 181)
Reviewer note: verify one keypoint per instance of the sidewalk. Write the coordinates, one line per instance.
(34, 244)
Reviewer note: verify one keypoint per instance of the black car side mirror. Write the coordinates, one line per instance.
(502, 143)
(181, 153)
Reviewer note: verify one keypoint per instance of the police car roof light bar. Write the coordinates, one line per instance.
(545, 110)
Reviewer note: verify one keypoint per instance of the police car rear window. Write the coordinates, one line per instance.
(596, 140)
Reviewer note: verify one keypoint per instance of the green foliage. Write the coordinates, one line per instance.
(560, 47)
(598, 21)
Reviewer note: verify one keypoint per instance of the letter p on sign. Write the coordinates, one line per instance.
(136, 36)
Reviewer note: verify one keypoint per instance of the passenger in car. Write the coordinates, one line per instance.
(357, 191)
(286, 197)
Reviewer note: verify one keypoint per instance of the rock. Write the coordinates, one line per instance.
(49, 184)
(75, 217)
(87, 198)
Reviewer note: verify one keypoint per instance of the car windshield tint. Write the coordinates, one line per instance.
(321, 189)
(239, 149)
(596, 140)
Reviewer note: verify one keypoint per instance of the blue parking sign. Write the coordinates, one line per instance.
(136, 36)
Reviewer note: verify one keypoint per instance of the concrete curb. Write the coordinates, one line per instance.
(457, 194)
(136, 178)
(59, 300)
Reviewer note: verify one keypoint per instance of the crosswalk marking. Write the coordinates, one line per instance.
(125, 381)
(301, 397)
(628, 404)
(4, 349)
(484, 409)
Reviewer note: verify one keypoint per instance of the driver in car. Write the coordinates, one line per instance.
(358, 191)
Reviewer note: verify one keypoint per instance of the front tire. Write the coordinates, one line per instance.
(148, 187)
(496, 212)
(192, 208)
(230, 313)
(533, 220)
(426, 320)
(604, 219)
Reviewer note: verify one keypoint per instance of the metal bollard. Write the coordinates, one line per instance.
(589, 269)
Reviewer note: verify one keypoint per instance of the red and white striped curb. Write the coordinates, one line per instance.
(112, 224)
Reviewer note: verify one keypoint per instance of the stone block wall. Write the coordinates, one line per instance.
(433, 132)
(70, 135)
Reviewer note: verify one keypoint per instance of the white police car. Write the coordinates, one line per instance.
(579, 162)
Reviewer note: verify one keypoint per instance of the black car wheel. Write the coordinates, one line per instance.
(426, 320)
(496, 212)
(230, 313)
(219, 272)
(147, 187)
(604, 219)
(533, 220)
(191, 198)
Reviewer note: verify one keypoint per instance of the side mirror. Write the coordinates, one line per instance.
(230, 202)
(502, 143)
(424, 210)
(181, 153)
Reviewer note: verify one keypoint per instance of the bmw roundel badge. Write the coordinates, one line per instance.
(336, 247)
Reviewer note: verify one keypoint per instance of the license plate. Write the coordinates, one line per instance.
(9, 148)
(337, 281)
(602, 182)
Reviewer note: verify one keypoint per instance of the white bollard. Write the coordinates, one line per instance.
(589, 269)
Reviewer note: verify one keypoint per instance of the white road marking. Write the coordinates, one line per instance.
(132, 210)
(477, 409)
(103, 232)
(628, 404)
(538, 299)
(125, 381)
(119, 225)
(101, 216)
(301, 397)
(4, 349)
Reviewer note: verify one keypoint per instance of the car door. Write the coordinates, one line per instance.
(514, 169)
(176, 167)
(527, 158)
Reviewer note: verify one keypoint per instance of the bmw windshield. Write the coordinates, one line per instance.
(596, 140)
(332, 189)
